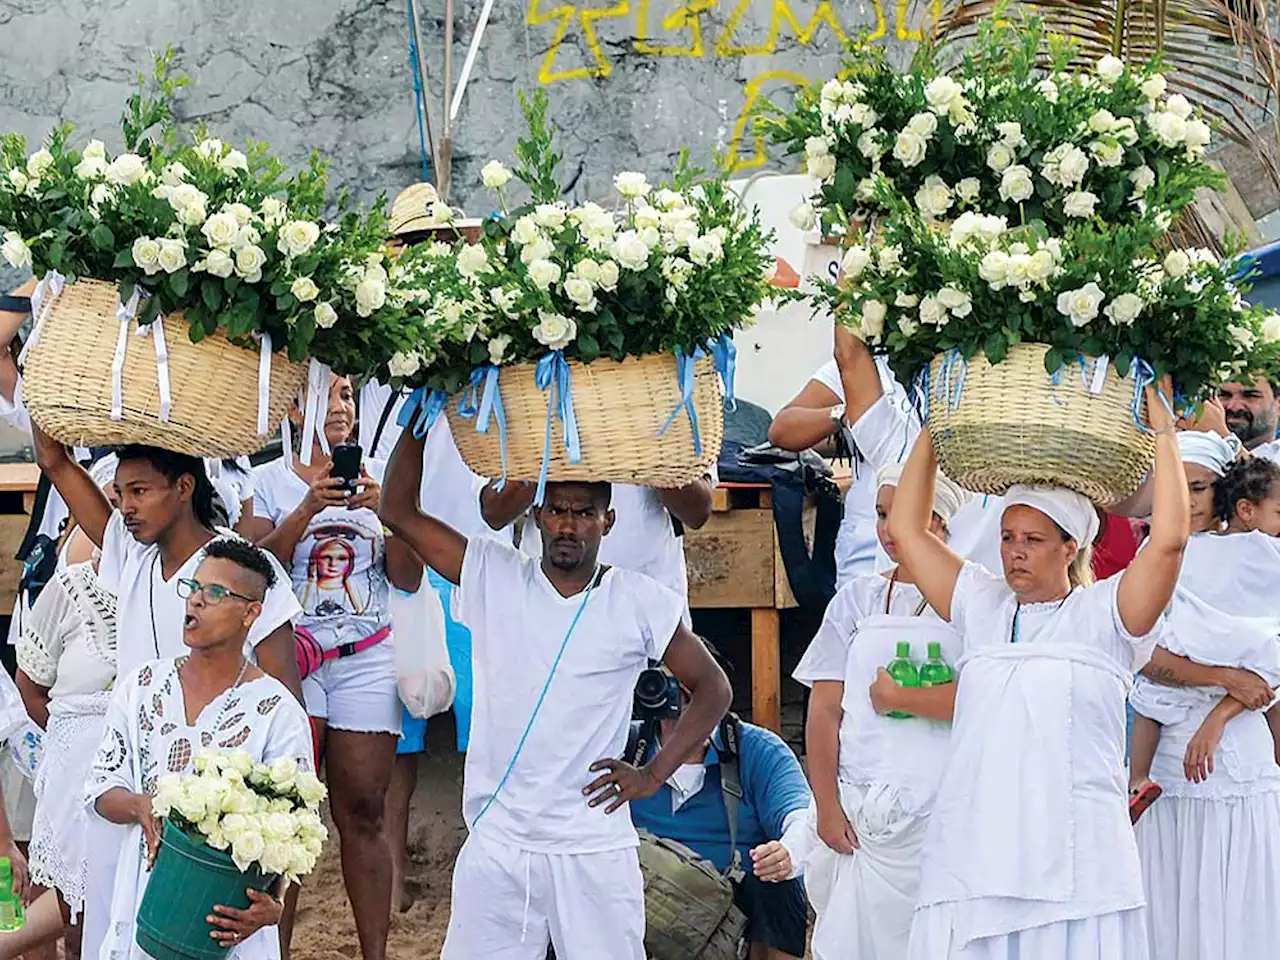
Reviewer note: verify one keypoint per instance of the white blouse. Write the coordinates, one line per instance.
(68, 642)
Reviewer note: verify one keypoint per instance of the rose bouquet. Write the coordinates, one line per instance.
(1006, 133)
(263, 815)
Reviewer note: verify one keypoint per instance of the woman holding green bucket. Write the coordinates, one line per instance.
(160, 718)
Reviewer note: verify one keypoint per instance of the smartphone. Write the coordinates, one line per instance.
(346, 465)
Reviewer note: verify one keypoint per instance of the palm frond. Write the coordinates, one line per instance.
(1221, 54)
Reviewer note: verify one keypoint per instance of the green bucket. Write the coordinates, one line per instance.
(188, 879)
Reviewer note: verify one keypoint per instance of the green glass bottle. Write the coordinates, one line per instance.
(11, 913)
(904, 672)
(935, 671)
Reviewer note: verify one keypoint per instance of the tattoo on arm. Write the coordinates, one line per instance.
(1162, 675)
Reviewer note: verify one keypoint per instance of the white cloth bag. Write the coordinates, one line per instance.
(423, 671)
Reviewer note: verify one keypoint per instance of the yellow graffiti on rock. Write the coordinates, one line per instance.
(566, 14)
(687, 16)
(733, 161)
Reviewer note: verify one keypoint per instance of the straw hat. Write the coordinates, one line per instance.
(409, 211)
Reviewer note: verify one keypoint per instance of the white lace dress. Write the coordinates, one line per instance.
(68, 644)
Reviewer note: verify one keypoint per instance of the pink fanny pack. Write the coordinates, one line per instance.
(311, 656)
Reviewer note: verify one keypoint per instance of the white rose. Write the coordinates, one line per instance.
(221, 230)
(923, 125)
(1124, 309)
(1179, 106)
(934, 198)
(297, 237)
(325, 315)
(822, 168)
(631, 185)
(283, 772)
(941, 93)
(233, 161)
(906, 301)
(705, 249)
(862, 115)
(856, 259)
(371, 295)
(684, 231)
(550, 215)
(472, 260)
(816, 147)
(173, 255)
(304, 289)
(1107, 152)
(1102, 121)
(95, 149)
(630, 250)
(957, 301)
(210, 149)
(1144, 179)
(1271, 328)
(1169, 128)
(873, 317)
(192, 215)
(494, 175)
(126, 169)
(1081, 305)
(1011, 134)
(1110, 68)
(525, 231)
(1080, 204)
(403, 364)
(1041, 266)
(540, 249)
(969, 189)
(249, 262)
(1177, 263)
(932, 312)
(999, 157)
(246, 237)
(15, 251)
(18, 180)
(1125, 131)
(554, 331)
(247, 848)
(1199, 135)
(1153, 88)
(1163, 220)
(588, 270)
(217, 263)
(498, 349)
(910, 149)
(871, 144)
(174, 174)
(39, 163)
(543, 273)
(1243, 336)
(994, 269)
(90, 168)
(581, 293)
(1065, 165)
(908, 327)
(1016, 184)
(889, 258)
(608, 276)
(146, 255)
(439, 215)
(243, 215)
(273, 211)
(1048, 89)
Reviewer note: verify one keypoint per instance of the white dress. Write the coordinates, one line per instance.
(1211, 851)
(889, 772)
(147, 736)
(68, 645)
(1029, 853)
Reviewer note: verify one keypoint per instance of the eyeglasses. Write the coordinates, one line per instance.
(214, 593)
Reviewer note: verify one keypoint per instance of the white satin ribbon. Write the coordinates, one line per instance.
(43, 298)
(125, 312)
(1099, 374)
(315, 408)
(156, 332)
(264, 384)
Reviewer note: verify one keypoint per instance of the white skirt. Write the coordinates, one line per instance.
(1212, 873)
(1111, 936)
(59, 849)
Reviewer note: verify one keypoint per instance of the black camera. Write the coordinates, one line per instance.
(657, 696)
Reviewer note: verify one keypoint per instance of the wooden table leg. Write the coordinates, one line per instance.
(766, 669)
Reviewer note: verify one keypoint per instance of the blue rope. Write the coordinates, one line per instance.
(417, 93)
(538, 706)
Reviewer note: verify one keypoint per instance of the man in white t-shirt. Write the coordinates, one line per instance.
(648, 534)
(558, 644)
(156, 538)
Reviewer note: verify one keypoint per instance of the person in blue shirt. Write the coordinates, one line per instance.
(689, 809)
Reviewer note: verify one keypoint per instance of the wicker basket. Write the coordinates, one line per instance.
(619, 407)
(1015, 423)
(214, 384)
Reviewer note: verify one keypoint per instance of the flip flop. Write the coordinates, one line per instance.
(1141, 801)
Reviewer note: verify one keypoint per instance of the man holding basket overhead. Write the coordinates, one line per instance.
(558, 643)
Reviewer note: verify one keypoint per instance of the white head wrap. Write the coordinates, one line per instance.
(103, 471)
(1068, 509)
(1206, 450)
(947, 497)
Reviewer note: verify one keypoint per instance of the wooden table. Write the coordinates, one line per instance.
(734, 563)
(17, 495)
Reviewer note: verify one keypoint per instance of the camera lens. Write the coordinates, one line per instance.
(651, 689)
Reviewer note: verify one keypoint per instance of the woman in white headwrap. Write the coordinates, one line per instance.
(873, 777)
(1210, 849)
(1029, 851)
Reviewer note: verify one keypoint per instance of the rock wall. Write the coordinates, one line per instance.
(631, 81)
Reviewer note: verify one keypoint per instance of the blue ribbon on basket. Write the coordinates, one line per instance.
(1143, 377)
(686, 375)
(552, 375)
(482, 402)
(427, 404)
(725, 354)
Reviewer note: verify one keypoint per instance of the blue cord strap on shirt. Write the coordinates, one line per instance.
(537, 708)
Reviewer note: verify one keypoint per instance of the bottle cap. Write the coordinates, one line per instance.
(935, 650)
(904, 648)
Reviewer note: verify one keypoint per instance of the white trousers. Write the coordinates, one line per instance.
(508, 904)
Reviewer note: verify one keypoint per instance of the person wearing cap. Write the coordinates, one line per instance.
(873, 777)
(1210, 849)
(1029, 851)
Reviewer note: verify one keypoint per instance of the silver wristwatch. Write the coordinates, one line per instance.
(1234, 443)
(837, 416)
